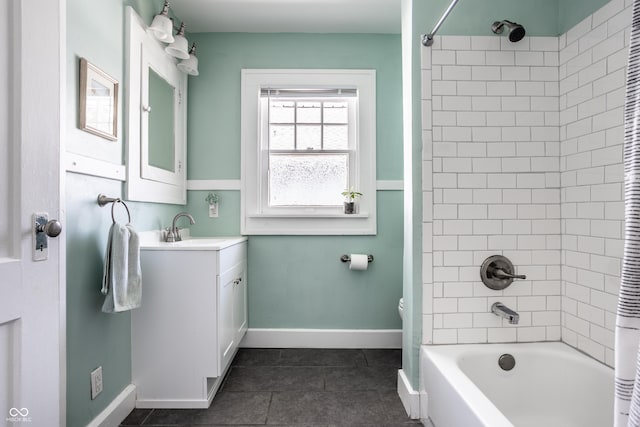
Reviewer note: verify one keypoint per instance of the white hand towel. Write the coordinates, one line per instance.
(122, 280)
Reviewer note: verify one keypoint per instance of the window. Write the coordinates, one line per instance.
(311, 143)
(307, 135)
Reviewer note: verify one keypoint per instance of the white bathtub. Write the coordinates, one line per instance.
(551, 385)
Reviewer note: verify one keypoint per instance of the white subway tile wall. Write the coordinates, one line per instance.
(592, 69)
(523, 142)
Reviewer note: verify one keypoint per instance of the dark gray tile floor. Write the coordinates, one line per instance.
(298, 387)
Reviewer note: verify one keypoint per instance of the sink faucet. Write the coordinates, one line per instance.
(501, 310)
(173, 233)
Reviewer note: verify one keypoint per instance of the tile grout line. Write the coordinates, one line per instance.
(266, 418)
(324, 379)
(364, 355)
(147, 417)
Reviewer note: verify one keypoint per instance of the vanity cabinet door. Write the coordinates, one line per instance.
(240, 304)
(226, 329)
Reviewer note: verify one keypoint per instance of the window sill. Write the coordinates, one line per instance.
(317, 223)
(312, 215)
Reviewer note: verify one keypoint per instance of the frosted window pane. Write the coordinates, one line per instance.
(282, 112)
(336, 112)
(307, 180)
(308, 112)
(336, 137)
(309, 137)
(281, 137)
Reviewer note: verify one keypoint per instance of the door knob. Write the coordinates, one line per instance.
(52, 228)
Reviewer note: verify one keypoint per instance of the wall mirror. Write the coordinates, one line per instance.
(161, 130)
(156, 125)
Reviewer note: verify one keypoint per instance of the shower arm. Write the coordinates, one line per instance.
(427, 39)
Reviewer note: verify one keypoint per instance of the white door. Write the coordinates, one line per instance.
(32, 310)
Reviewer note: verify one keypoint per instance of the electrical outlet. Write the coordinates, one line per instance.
(213, 210)
(96, 382)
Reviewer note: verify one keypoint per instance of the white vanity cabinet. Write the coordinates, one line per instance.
(192, 319)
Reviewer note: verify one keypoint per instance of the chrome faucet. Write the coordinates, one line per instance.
(173, 233)
(501, 310)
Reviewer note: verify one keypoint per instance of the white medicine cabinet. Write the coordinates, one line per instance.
(156, 99)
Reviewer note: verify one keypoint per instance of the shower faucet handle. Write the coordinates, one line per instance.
(497, 272)
(501, 274)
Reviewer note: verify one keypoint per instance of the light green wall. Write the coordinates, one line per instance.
(570, 12)
(214, 96)
(228, 221)
(474, 17)
(95, 30)
(299, 282)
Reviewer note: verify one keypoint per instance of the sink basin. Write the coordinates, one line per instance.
(193, 244)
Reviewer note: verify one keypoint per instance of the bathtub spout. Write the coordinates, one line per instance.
(501, 310)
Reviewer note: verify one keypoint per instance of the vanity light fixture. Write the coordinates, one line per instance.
(162, 29)
(190, 65)
(180, 46)
(162, 26)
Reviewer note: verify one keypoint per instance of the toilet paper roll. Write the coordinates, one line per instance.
(359, 262)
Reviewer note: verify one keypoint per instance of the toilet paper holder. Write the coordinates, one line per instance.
(347, 258)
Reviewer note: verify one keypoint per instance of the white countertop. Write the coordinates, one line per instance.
(150, 241)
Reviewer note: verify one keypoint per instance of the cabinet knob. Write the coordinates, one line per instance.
(237, 281)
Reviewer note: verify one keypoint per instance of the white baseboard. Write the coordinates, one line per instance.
(117, 410)
(322, 338)
(409, 397)
(173, 404)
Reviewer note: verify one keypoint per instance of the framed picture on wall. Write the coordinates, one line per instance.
(98, 101)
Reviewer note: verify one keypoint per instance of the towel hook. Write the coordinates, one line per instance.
(103, 200)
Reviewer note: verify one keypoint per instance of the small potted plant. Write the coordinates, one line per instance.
(350, 200)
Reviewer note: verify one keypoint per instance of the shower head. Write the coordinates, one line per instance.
(516, 31)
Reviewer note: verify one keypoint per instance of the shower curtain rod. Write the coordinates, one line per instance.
(427, 39)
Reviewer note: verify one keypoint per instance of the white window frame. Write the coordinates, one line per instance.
(256, 217)
(266, 152)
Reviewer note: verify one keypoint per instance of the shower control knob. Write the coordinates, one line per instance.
(497, 272)
(52, 228)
